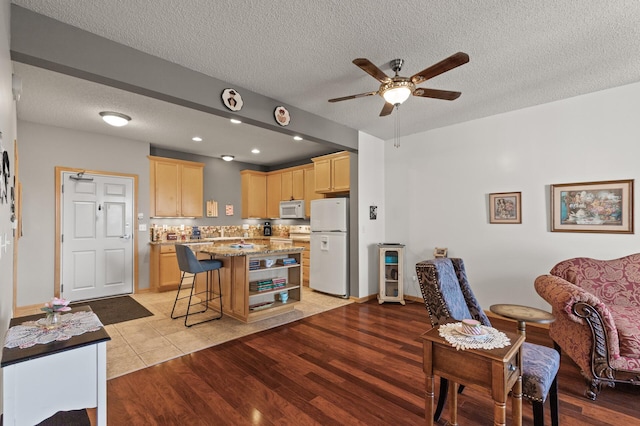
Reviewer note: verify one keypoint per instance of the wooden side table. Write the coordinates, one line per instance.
(496, 370)
(523, 315)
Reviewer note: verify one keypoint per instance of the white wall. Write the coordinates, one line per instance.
(438, 184)
(371, 192)
(42, 148)
(8, 129)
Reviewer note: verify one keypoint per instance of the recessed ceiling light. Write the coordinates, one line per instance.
(297, 138)
(115, 118)
(196, 139)
(227, 157)
(235, 121)
(255, 151)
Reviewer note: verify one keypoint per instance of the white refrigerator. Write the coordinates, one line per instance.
(329, 272)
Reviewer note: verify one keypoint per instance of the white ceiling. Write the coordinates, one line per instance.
(522, 53)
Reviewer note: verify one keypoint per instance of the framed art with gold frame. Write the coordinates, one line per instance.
(505, 207)
(605, 207)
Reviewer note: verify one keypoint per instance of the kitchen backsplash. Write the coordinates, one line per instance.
(183, 233)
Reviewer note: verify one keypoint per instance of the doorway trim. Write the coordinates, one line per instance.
(59, 170)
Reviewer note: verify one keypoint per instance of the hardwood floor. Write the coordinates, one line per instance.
(360, 364)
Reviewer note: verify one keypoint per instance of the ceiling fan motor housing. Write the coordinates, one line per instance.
(396, 65)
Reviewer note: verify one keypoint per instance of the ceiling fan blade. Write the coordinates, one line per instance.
(375, 72)
(360, 95)
(436, 94)
(445, 65)
(386, 109)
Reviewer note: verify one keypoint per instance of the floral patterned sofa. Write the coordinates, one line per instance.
(597, 308)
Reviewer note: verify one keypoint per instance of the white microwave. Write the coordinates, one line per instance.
(293, 209)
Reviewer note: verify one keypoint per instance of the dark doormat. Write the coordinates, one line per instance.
(67, 418)
(116, 309)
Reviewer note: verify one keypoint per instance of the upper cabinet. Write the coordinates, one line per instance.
(294, 183)
(254, 194)
(274, 194)
(310, 189)
(292, 186)
(332, 173)
(176, 187)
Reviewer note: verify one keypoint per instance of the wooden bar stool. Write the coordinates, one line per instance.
(189, 264)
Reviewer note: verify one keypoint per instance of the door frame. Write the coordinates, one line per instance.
(59, 170)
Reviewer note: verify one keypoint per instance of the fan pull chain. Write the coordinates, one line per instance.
(396, 130)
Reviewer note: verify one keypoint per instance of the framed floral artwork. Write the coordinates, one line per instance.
(282, 116)
(605, 206)
(505, 207)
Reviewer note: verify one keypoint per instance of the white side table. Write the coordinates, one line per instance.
(41, 380)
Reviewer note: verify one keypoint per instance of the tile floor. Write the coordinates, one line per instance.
(147, 341)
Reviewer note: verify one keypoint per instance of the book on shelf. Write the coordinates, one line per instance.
(287, 261)
(262, 285)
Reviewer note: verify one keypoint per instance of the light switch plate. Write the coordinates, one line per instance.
(142, 227)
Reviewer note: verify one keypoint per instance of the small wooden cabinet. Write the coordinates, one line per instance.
(332, 173)
(390, 273)
(254, 194)
(177, 187)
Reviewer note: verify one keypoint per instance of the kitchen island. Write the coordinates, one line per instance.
(258, 281)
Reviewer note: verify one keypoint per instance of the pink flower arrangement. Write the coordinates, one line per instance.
(56, 305)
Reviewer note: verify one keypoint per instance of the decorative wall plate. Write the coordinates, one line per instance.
(282, 116)
(232, 99)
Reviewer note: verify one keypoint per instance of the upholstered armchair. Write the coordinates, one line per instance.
(597, 308)
(448, 297)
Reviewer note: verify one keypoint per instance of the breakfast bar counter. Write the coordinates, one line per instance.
(258, 281)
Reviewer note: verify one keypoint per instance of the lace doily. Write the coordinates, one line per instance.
(491, 340)
(31, 333)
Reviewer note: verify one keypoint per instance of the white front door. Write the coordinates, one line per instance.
(97, 236)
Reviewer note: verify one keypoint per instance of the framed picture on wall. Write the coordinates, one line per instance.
(593, 207)
(505, 207)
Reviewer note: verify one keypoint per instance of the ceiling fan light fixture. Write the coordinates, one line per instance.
(396, 92)
(115, 118)
(227, 157)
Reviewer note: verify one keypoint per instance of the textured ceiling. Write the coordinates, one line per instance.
(523, 53)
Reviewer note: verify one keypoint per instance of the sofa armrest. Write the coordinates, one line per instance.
(563, 296)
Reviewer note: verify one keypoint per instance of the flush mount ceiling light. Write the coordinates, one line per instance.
(255, 151)
(235, 121)
(115, 118)
(227, 157)
(297, 138)
(196, 139)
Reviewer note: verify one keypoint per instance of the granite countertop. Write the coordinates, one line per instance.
(258, 249)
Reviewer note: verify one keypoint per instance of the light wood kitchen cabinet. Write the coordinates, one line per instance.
(254, 194)
(332, 173)
(274, 191)
(177, 187)
(310, 189)
(164, 273)
(306, 260)
(292, 184)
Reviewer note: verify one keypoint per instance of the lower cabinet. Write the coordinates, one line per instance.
(164, 273)
(306, 260)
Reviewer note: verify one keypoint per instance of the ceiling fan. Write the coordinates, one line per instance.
(395, 90)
